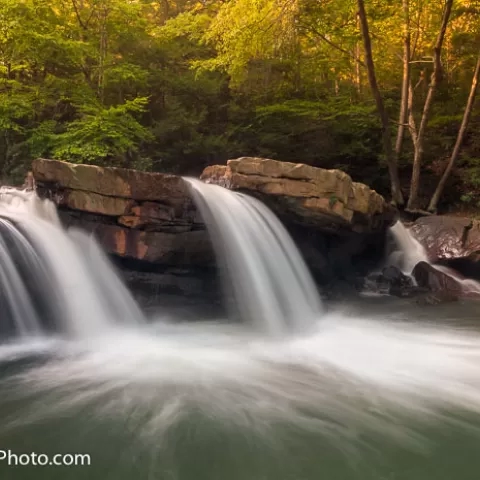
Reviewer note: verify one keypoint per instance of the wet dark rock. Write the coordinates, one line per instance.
(429, 277)
(443, 284)
(376, 283)
(392, 281)
(446, 237)
(395, 277)
(467, 266)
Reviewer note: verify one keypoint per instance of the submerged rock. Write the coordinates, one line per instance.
(436, 298)
(392, 281)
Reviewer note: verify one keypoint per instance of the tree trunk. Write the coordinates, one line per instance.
(357, 64)
(397, 196)
(434, 81)
(403, 115)
(461, 135)
(102, 54)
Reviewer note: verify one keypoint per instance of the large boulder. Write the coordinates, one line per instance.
(435, 280)
(338, 224)
(445, 281)
(325, 199)
(445, 237)
(153, 202)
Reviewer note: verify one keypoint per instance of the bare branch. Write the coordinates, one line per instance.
(333, 44)
(434, 81)
(77, 14)
(460, 137)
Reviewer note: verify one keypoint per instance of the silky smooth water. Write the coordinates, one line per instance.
(272, 287)
(64, 271)
(367, 395)
(408, 252)
(373, 389)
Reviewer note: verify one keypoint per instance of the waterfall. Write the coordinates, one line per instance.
(268, 278)
(46, 279)
(408, 252)
(364, 394)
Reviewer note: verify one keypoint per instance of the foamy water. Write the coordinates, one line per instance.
(169, 389)
(65, 271)
(351, 375)
(263, 268)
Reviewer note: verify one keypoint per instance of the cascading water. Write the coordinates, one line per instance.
(270, 281)
(409, 252)
(47, 279)
(368, 396)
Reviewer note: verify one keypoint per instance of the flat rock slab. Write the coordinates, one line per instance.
(110, 181)
(328, 199)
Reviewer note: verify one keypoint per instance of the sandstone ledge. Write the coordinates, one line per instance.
(148, 217)
(149, 221)
(111, 181)
(326, 199)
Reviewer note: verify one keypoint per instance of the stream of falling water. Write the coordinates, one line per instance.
(356, 396)
(409, 252)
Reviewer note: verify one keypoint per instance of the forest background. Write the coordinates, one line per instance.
(384, 90)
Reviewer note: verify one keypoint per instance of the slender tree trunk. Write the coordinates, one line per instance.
(403, 115)
(103, 46)
(460, 137)
(396, 191)
(411, 119)
(357, 63)
(336, 83)
(358, 71)
(434, 81)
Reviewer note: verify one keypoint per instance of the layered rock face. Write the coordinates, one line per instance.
(339, 225)
(149, 222)
(324, 199)
(146, 220)
(144, 216)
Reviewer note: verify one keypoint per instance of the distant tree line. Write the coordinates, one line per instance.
(383, 90)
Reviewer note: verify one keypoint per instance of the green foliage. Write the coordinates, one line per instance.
(102, 134)
(176, 86)
(322, 133)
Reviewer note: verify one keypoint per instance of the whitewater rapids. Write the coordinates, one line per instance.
(291, 391)
(349, 378)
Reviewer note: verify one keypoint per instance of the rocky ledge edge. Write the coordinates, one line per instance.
(325, 199)
(150, 226)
